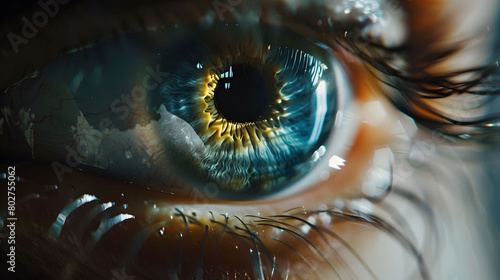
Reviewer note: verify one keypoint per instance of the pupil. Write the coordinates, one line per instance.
(241, 94)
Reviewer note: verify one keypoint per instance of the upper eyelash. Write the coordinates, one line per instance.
(377, 221)
(413, 86)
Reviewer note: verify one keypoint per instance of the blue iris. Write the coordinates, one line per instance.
(266, 153)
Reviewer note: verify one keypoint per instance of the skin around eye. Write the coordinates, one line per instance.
(399, 208)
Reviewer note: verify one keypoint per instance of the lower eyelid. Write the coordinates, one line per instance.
(143, 227)
(140, 205)
(346, 182)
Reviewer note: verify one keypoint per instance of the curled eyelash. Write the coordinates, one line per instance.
(291, 223)
(303, 233)
(409, 88)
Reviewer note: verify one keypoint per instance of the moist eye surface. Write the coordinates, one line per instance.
(260, 107)
(243, 109)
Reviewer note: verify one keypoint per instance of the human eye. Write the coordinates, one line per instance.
(144, 155)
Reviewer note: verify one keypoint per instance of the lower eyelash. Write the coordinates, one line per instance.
(303, 233)
(390, 224)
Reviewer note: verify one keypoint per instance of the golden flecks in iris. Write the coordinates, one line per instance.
(238, 135)
(217, 129)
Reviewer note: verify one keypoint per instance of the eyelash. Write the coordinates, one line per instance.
(398, 81)
(407, 88)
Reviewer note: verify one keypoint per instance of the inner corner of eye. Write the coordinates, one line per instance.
(239, 116)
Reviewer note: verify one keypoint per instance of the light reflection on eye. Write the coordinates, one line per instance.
(249, 113)
(308, 237)
(253, 104)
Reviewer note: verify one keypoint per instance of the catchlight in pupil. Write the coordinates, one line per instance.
(242, 93)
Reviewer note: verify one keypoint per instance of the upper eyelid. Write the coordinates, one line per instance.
(47, 43)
